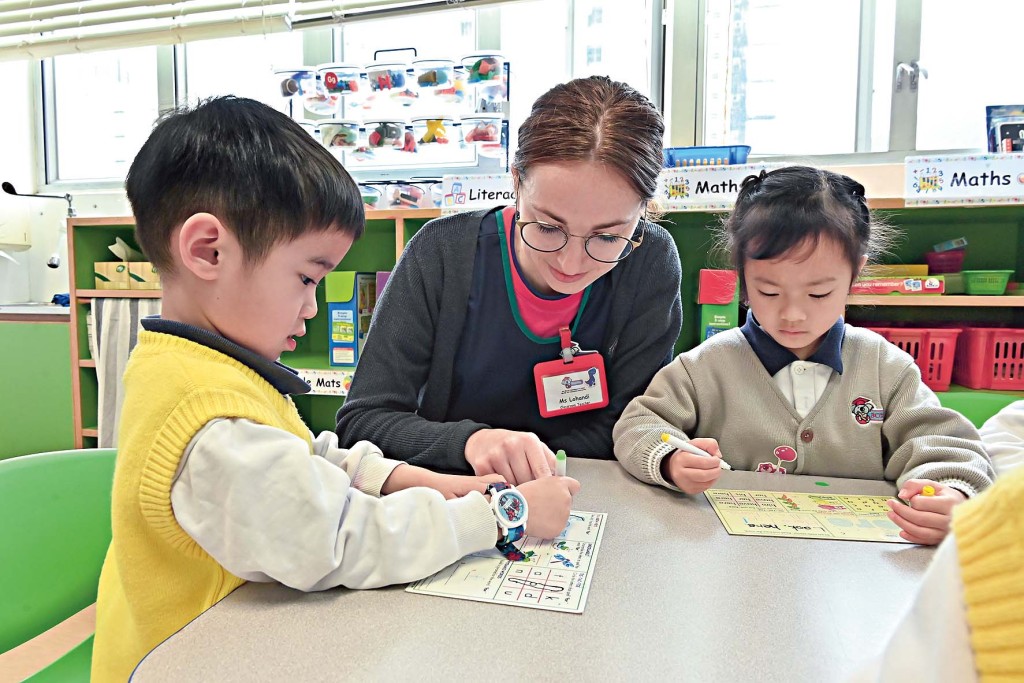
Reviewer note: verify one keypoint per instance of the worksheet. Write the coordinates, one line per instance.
(804, 515)
(555, 574)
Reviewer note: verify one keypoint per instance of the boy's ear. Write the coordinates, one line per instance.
(199, 244)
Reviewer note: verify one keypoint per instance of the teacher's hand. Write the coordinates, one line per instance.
(517, 456)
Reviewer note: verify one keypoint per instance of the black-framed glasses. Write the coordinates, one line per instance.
(601, 246)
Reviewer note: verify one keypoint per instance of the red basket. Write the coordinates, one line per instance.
(990, 358)
(944, 261)
(932, 348)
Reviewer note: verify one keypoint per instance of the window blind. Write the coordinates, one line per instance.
(36, 29)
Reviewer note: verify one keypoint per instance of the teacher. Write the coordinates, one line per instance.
(506, 333)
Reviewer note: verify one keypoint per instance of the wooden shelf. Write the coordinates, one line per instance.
(86, 363)
(118, 294)
(94, 433)
(391, 214)
(951, 300)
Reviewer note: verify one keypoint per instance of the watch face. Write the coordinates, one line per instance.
(510, 506)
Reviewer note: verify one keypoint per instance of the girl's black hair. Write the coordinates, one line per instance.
(788, 208)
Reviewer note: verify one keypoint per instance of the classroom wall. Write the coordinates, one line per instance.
(17, 164)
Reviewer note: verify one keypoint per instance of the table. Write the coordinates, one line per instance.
(673, 597)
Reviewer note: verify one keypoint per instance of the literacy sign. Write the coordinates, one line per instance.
(461, 192)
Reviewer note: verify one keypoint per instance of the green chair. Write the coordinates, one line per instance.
(54, 533)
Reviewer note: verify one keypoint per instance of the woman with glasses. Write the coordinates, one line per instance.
(504, 335)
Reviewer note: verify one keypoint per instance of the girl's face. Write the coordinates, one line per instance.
(797, 297)
(582, 198)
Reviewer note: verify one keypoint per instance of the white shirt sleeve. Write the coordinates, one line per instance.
(1003, 437)
(266, 509)
(932, 641)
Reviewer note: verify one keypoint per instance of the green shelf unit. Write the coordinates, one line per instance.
(995, 235)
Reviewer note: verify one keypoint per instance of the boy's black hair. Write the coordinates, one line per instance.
(254, 168)
(785, 209)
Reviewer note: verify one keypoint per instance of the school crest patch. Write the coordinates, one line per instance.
(864, 411)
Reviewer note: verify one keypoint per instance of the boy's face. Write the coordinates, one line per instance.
(800, 295)
(264, 308)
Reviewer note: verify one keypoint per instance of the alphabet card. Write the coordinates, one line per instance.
(555, 575)
(804, 515)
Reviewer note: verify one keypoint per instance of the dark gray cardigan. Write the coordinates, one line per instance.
(401, 390)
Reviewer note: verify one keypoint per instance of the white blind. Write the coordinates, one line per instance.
(36, 29)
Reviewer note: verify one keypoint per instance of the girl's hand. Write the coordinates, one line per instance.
(926, 519)
(517, 456)
(693, 473)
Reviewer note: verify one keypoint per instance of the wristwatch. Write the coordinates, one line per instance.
(510, 509)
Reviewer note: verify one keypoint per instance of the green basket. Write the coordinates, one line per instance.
(992, 282)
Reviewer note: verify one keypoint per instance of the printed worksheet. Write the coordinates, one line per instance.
(804, 515)
(555, 574)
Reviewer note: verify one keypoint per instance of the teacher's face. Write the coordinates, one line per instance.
(582, 198)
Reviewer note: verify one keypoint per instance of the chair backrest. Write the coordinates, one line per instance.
(54, 533)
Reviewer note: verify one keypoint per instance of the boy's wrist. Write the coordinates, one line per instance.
(406, 476)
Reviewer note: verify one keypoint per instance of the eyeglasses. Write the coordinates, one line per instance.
(601, 246)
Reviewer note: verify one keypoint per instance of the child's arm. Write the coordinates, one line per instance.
(932, 639)
(668, 406)
(378, 476)
(927, 441)
(929, 445)
(266, 509)
(1003, 436)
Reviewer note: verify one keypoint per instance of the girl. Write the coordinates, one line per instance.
(795, 389)
(446, 379)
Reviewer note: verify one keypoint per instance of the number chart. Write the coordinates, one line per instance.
(804, 515)
(555, 575)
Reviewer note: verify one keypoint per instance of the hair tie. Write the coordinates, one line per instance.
(752, 181)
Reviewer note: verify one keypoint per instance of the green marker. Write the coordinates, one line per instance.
(560, 463)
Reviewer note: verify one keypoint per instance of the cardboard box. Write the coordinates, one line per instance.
(910, 285)
(111, 274)
(718, 294)
(350, 298)
(142, 275)
(896, 270)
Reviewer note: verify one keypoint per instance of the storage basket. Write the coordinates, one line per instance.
(941, 262)
(933, 349)
(725, 155)
(992, 282)
(990, 358)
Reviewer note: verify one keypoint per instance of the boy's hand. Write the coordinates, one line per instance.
(517, 456)
(549, 500)
(457, 486)
(693, 473)
(926, 519)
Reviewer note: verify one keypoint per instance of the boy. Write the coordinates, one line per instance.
(218, 481)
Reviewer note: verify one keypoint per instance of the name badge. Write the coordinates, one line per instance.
(573, 383)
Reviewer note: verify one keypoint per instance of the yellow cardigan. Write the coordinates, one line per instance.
(989, 534)
(155, 578)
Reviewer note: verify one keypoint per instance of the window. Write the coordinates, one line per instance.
(966, 58)
(798, 77)
(239, 66)
(545, 41)
(104, 105)
(782, 76)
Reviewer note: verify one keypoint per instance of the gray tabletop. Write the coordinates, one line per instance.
(673, 596)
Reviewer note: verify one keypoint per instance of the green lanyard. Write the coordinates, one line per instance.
(510, 290)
